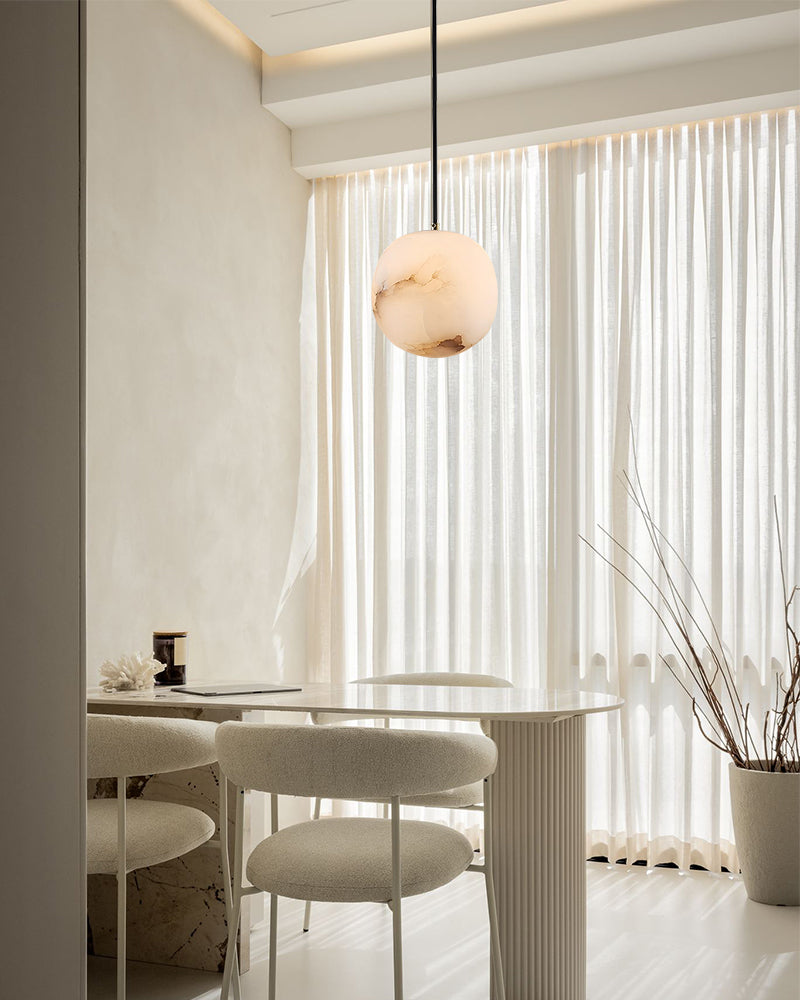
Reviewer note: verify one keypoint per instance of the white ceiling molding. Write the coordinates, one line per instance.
(542, 74)
(663, 96)
(280, 27)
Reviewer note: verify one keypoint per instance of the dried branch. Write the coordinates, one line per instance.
(723, 718)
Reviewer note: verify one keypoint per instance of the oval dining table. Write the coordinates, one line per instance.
(538, 814)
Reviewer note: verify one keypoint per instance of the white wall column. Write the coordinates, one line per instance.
(42, 735)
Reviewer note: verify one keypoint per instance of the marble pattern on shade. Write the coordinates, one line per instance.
(176, 910)
(434, 293)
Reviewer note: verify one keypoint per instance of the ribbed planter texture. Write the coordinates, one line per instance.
(766, 824)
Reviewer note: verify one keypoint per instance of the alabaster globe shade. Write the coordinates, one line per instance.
(434, 293)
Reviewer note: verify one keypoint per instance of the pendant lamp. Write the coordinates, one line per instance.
(434, 293)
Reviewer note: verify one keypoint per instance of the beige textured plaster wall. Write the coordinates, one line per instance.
(195, 229)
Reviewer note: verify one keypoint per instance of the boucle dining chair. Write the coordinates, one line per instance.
(355, 859)
(467, 797)
(123, 835)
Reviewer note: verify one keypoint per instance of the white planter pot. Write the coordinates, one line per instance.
(766, 824)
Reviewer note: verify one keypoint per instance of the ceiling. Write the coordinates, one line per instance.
(351, 78)
(282, 27)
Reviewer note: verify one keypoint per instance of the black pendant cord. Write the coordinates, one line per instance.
(434, 140)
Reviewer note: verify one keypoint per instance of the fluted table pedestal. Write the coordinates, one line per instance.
(538, 819)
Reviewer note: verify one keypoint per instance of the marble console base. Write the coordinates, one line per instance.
(176, 910)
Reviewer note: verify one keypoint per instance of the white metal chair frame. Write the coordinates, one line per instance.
(236, 891)
(122, 883)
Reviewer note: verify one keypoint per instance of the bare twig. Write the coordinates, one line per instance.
(722, 717)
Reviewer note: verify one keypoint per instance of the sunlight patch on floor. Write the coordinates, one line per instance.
(654, 934)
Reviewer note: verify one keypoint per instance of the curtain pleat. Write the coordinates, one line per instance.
(647, 299)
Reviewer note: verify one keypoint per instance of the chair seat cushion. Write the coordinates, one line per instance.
(350, 860)
(454, 798)
(156, 832)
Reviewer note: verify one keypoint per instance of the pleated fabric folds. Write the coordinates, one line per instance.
(648, 296)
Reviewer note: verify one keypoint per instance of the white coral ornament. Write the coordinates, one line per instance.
(132, 672)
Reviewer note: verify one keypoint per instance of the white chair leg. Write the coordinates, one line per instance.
(496, 960)
(494, 940)
(273, 944)
(122, 886)
(224, 843)
(397, 927)
(307, 914)
(231, 970)
(273, 914)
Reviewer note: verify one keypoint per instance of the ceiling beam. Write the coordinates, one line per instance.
(521, 37)
(690, 91)
(280, 27)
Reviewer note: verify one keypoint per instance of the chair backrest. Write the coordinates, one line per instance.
(347, 763)
(441, 678)
(438, 678)
(123, 745)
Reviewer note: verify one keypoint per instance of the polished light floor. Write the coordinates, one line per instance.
(654, 934)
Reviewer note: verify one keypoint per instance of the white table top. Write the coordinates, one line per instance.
(397, 701)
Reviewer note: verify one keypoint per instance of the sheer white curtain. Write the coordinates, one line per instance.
(648, 288)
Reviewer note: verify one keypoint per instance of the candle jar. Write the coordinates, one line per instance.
(169, 648)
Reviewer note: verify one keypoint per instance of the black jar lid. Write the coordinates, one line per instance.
(170, 635)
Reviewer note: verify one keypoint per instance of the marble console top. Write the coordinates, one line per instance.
(397, 701)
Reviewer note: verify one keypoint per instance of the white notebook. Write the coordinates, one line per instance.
(219, 690)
